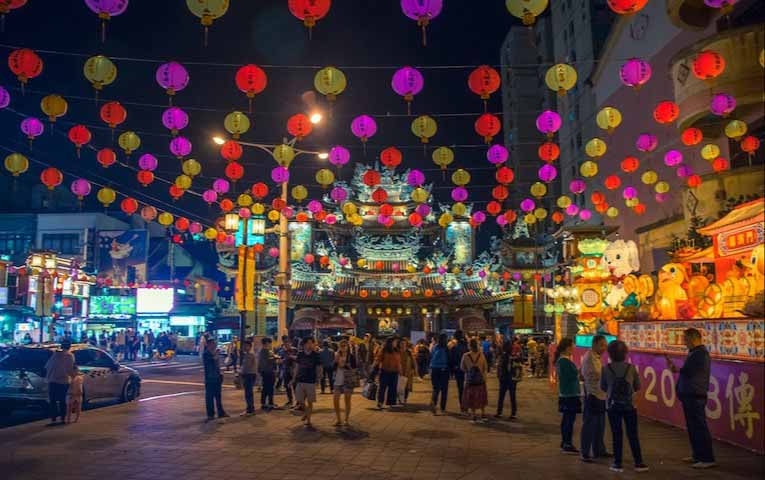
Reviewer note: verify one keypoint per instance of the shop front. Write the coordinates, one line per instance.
(188, 321)
(110, 312)
(153, 306)
(18, 324)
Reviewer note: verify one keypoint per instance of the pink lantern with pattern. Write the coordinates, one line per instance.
(175, 119)
(407, 82)
(173, 77)
(280, 174)
(221, 186)
(80, 188)
(635, 72)
(549, 122)
(339, 156)
(497, 154)
(180, 146)
(547, 173)
(147, 161)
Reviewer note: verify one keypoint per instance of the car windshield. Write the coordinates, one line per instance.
(25, 359)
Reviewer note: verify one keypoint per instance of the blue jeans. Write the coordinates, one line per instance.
(459, 376)
(213, 399)
(439, 378)
(506, 386)
(698, 431)
(615, 418)
(567, 429)
(57, 400)
(388, 387)
(593, 427)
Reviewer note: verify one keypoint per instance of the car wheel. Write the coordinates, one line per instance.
(131, 390)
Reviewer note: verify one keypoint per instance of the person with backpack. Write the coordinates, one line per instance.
(620, 381)
(475, 367)
(594, 416)
(456, 352)
(509, 373)
(440, 372)
(569, 399)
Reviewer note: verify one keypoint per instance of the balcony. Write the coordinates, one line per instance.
(690, 14)
(742, 78)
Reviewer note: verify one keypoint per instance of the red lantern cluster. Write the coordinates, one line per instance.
(391, 157)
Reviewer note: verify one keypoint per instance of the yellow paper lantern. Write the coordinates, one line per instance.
(16, 164)
(99, 71)
(526, 10)
(129, 142)
(661, 187)
(443, 157)
(106, 196)
(631, 202)
(244, 200)
(54, 106)
(595, 148)
(411, 268)
(459, 209)
(445, 219)
(183, 182)
(236, 123)
(561, 78)
(460, 177)
(258, 208)
(284, 154)
(299, 193)
(424, 127)
(357, 220)
(361, 263)
(735, 129)
(649, 177)
(710, 151)
(330, 82)
(530, 219)
(563, 201)
(191, 167)
(274, 215)
(540, 213)
(612, 212)
(211, 233)
(349, 208)
(208, 10)
(165, 219)
(588, 168)
(608, 118)
(325, 177)
(538, 189)
(420, 195)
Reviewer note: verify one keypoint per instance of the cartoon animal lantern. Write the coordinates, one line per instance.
(590, 275)
(622, 258)
(671, 295)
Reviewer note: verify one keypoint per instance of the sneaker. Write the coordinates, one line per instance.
(616, 468)
(246, 414)
(703, 465)
(513, 417)
(499, 415)
(569, 449)
(585, 459)
(641, 467)
(689, 460)
(225, 415)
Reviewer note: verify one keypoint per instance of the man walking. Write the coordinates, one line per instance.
(307, 365)
(249, 375)
(328, 367)
(594, 417)
(213, 380)
(692, 388)
(456, 352)
(267, 370)
(58, 372)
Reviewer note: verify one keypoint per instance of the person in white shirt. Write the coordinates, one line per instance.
(594, 416)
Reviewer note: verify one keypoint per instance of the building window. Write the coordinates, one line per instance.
(65, 243)
(14, 243)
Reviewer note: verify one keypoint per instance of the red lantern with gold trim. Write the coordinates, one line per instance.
(234, 171)
(487, 126)
(299, 126)
(259, 190)
(129, 205)
(630, 164)
(391, 157)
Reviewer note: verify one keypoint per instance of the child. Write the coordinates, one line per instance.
(74, 400)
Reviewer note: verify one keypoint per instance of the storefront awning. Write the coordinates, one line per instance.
(306, 319)
(337, 321)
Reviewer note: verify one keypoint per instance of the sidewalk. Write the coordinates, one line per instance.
(166, 438)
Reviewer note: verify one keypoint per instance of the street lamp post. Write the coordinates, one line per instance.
(231, 225)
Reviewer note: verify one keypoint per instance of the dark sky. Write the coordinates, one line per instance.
(355, 33)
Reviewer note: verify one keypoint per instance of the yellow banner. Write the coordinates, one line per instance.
(246, 254)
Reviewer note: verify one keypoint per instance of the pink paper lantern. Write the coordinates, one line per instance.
(501, 220)
(442, 270)
(180, 146)
(673, 158)
(646, 142)
(635, 72)
(273, 252)
(230, 240)
(527, 205)
(459, 194)
(382, 219)
(5, 98)
(32, 127)
(339, 156)
(415, 178)
(423, 11)
(288, 212)
(547, 173)
(364, 127)
(684, 171)
(175, 119)
(280, 174)
(147, 161)
(577, 186)
(629, 193)
(497, 154)
(173, 77)
(221, 186)
(423, 209)
(195, 227)
(245, 212)
(338, 194)
(314, 206)
(478, 217)
(548, 122)
(585, 214)
(80, 188)
(572, 210)
(722, 104)
(407, 82)
(395, 267)
(209, 196)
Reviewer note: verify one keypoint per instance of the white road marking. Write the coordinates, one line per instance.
(167, 396)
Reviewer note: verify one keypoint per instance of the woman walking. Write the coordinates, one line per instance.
(346, 379)
(389, 362)
(569, 400)
(474, 396)
(620, 381)
(509, 373)
(422, 354)
(407, 368)
(440, 371)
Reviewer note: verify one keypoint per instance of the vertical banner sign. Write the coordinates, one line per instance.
(245, 254)
(251, 266)
(238, 284)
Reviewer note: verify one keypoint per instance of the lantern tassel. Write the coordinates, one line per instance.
(424, 36)
(103, 31)
(409, 108)
(170, 100)
(485, 105)
(205, 37)
(249, 101)
(2, 23)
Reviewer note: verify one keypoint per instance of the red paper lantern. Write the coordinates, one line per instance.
(386, 209)
(145, 177)
(601, 207)
(750, 144)
(79, 135)
(626, 7)
(487, 126)
(639, 209)
(129, 205)
(231, 150)
(251, 79)
(301, 217)
(500, 192)
(259, 190)
(691, 136)
(415, 219)
(234, 171)
(391, 157)
(597, 197)
(320, 216)
(510, 216)
(557, 217)
(106, 157)
(182, 224)
(371, 178)
(484, 81)
(379, 195)
(612, 182)
(549, 152)
(708, 65)
(379, 265)
(278, 204)
(51, 177)
(221, 237)
(176, 192)
(630, 164)
(25, 64)
(666, 112)
(493, 208)
(113, 113)
(309, 11)
(694, 181)
(720, 164)
(226, 205)
(504, 175)
(299, 126)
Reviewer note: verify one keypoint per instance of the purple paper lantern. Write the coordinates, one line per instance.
(547, 173)
(722, 104)
(221, 186)
(482, 273)
(635, 72)
(684, 171)
(547, 277)
(423, 209)
(572, 210)
(441, 270)
(629, 193)
(80, 188)
(646, 142)
(415, 178)
(501, 220)
(339, 156)
(673, 158)
(382, 219)
(107, 8)
(585, 214)
(338, 194)
(173, 77)
(497, 154)
(719, 3)
(280, 175)
(230, 240)
(527, 205)
(661, 197)
(245, 212)
(407, 82)
(195, 227)
(314, 206)
(209, 196)
(32, 127)
(517, 276)
(364, 127)
(459, 194)
(548, 122)
(478, 217)
(5, 98)
(180, 146)
(175, 119)
(147, 161)
(577, 186)
(422, 10)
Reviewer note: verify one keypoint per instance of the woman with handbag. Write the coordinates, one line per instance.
(474, 396)
(346, 379)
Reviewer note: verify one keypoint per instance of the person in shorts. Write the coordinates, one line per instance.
(307, 365)
(346, 378)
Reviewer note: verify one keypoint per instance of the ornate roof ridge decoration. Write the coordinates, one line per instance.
(394, 183)
(447, 208)
(389, 247)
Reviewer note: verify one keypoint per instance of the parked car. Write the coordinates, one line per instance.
(22, 376)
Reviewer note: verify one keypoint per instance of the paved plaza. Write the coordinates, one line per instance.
(165, 437)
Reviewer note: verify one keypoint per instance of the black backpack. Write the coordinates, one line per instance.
(621, 391)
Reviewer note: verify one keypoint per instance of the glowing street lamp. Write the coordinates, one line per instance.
(316, 118)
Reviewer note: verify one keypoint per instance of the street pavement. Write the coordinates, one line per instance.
(164, 435)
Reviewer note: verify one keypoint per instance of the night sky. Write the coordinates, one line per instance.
(354, 34)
